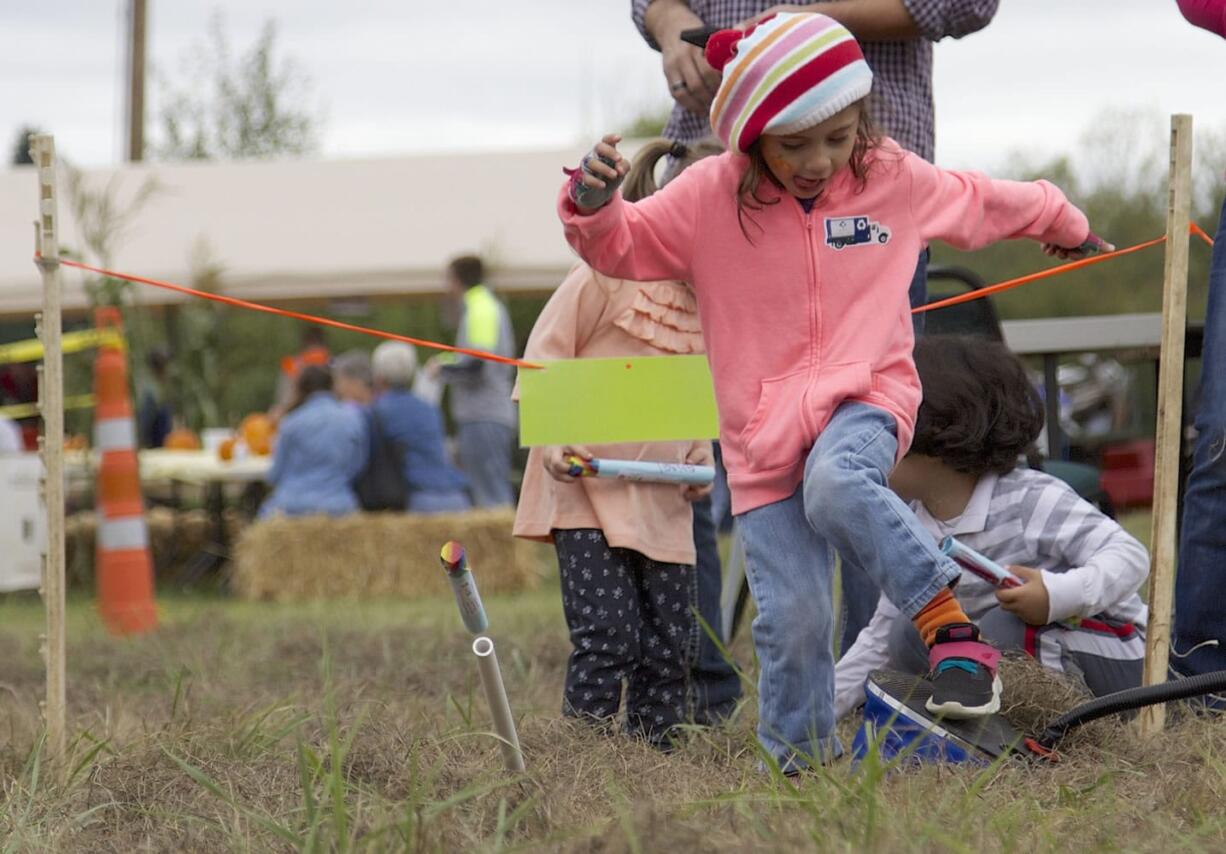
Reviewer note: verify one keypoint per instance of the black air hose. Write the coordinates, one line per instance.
(1132, 698)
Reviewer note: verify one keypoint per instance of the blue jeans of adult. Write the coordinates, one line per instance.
(844, 504)
(859, 593)
(721, 496)
(714, 681)
(430, 503)
(485, 458)
(1200, 586)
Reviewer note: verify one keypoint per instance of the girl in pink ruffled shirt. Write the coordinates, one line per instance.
(625, 550)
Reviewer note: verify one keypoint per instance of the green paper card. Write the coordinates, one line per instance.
(597, 401)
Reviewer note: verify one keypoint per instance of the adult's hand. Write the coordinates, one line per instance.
(774, 10)
(691, 82)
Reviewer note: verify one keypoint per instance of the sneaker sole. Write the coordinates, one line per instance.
(955, 711)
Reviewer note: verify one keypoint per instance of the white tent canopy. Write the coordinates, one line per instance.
(303, 229)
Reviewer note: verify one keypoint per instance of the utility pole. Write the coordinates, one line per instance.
(136, 80)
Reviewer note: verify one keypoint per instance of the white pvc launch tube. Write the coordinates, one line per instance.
(500, 709)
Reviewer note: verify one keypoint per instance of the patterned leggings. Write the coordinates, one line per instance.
(631, 620)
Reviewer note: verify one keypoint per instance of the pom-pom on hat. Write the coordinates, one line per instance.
(784, 75)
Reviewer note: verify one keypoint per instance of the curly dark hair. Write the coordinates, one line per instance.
(980, 411)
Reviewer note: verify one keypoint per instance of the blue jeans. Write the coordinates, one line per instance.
(714, 682)
(860, 594)
(721, 496)
(843, 504)
(485, 458)
(1200, 586)
(429, 503)
(917, 294)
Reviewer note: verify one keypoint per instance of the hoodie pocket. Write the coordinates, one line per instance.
(774, 436)
(794, 408)
(835, 384)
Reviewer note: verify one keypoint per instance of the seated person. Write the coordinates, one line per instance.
(1078, 610)
(352, 379)
(415, 427)
(321, 447)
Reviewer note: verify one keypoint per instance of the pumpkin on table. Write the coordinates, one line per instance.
(257, 431)
(182, 439)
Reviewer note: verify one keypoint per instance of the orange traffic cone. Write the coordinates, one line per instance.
(124, 570)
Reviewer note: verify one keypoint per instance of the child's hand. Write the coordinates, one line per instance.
(699, 455)
(598, 176)
(1093, 243)
(557, 461)
(596, 169)
(1029, 603)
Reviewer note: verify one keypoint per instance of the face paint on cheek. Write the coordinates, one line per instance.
(781, 167)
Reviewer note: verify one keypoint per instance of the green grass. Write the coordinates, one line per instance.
(348, 726)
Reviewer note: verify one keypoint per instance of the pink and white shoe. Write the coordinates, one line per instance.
(963, 674)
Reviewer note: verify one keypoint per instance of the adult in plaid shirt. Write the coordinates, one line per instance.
(896, 37)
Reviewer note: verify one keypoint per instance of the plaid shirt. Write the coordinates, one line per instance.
(901, 102)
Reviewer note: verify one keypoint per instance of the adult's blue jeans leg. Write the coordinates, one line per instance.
(485, 457)
(1200, 586)
(858, 603)
(918, 292)
(790, 572)
(721, 496)
(715, 683)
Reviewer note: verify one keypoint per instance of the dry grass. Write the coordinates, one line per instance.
(375, 555)
(253, 726)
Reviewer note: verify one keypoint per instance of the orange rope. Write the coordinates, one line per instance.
(1034, 277)
(297, 315)
(1193, 228)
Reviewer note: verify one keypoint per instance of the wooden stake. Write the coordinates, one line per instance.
(136, 80)
(51, 444)
(1170, 417)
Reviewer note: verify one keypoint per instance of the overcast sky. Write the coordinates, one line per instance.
(394, 77)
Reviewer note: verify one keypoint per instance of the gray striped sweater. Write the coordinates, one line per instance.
(1091, 566)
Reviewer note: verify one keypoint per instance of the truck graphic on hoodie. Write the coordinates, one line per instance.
(854, 231)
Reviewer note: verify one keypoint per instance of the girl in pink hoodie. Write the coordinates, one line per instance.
(800, 243)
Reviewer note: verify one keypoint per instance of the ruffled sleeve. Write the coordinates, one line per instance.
(663, 315)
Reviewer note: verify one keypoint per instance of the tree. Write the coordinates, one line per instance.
(1118, 177)
(223, 107)
(21, 146)
(226, 107)
(648, 123)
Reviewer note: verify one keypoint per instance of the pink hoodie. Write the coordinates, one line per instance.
(814, 311)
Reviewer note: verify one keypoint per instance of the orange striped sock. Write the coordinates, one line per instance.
(941, 611)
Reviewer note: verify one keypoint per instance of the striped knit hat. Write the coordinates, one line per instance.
(785, 75)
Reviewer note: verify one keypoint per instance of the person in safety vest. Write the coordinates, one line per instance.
(481, 405)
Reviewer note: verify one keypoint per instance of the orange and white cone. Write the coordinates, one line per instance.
(124, 570)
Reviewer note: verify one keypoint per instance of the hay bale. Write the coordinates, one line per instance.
(174, 536)
(368, 555)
